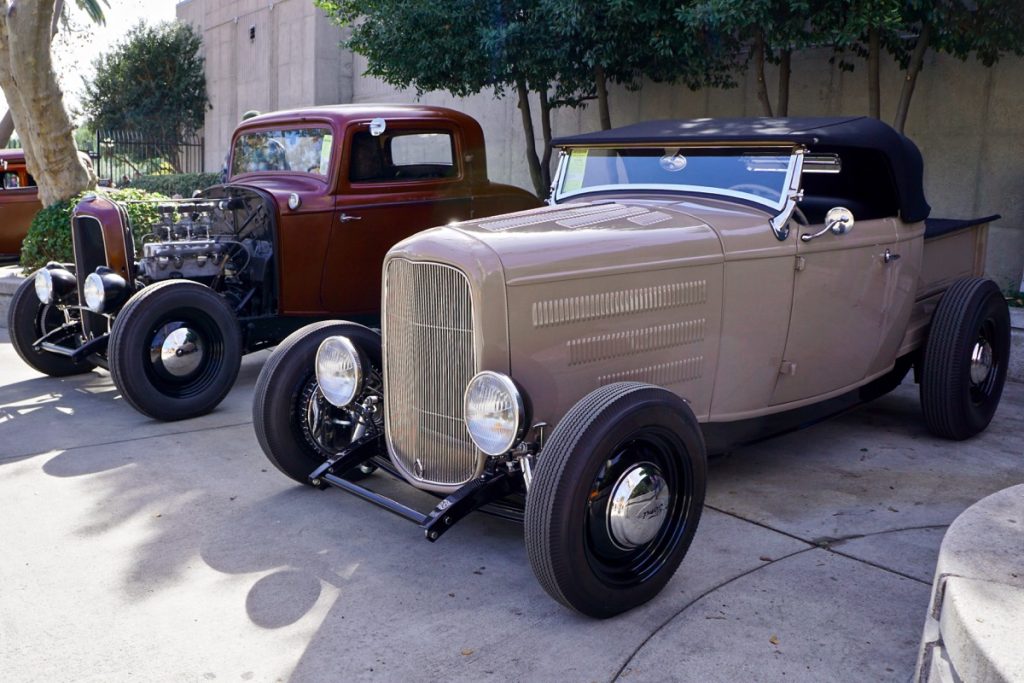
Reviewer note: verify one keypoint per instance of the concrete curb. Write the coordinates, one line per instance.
(1016, 369)
(10, 278)
(976, 614)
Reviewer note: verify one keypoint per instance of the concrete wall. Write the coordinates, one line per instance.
(967, 120)
(295, 59)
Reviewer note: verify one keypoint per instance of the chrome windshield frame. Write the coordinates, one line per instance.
(783, 208)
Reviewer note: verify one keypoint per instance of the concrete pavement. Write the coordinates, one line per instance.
(138, 550)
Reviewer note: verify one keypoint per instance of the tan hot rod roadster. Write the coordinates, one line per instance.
(694, 285)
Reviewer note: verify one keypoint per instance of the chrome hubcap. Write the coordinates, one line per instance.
(182, 352)
(638, 506)
(981, 361)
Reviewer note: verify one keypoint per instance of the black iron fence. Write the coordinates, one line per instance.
(123, 155)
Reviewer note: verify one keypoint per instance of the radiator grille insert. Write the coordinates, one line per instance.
(429, 360)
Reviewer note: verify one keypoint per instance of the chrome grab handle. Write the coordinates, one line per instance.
(345, 218)
(889, 257)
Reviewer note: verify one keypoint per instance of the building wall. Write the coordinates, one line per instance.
(967, 120)
(295, 59)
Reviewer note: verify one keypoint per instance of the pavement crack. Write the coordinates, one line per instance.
(22, 456)
(697, 599)
(828, 544)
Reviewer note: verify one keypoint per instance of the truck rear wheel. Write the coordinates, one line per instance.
(615, 498)
(175, 349)
(965, 359)
(28, 319)
(295, 425)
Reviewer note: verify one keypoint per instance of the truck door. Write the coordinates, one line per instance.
(842, 301)
(406, 179)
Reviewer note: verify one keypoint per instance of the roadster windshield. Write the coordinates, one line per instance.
(761, 175)
(303, 150)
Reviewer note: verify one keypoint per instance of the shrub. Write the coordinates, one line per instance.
(49, 236)
(171, 184)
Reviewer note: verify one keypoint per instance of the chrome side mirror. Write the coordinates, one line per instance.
(839, 220)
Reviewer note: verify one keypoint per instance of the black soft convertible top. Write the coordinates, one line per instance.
(818, 134)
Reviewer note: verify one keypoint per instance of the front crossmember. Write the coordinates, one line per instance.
(490, 487)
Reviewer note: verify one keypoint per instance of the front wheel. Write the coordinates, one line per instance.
(615, 498)
(965, 359)
(296, 427)
(175, 349)
(28, 319)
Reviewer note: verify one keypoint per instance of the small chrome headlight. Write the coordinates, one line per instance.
(104, 290)
(294, 201)
(93, 289)
(44, 286)
(339, 370)
(494, 412)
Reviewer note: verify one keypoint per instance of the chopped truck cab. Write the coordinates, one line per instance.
(695, 285)
(314, 199)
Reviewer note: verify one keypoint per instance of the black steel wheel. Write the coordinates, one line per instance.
(28, 319)
(175, 349)
(965, 359)
(616, 498)
(297, 427)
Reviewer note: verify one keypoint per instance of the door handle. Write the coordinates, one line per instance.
(889, 257)
(345, 218)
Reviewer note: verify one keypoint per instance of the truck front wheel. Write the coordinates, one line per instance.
(28, 319)
(615, 498)
(175, 349)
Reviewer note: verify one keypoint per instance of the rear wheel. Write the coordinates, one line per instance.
(175, 349)
(615, 498)
(965, 359)
(296, 427)
(28, 319)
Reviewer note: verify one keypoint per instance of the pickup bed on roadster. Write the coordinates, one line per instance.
(314, 200)
(696, 285)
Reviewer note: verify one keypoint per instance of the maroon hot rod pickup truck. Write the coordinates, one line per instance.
(314, 199)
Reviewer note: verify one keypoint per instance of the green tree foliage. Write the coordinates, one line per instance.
(152, 83)
(49, 238)
(560, 52)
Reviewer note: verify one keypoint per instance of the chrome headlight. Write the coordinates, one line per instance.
(104, 290)
(44, 286)
(93, 289)
(339, 370)
(494, 412)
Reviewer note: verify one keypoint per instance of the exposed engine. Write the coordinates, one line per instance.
(223, 242)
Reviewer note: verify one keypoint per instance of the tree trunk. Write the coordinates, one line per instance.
(601, 85)
(910, 78)
(874, 90)
(36, 101)
(762, 86)
(7, 123)
(531, 146)
(545, 132)
(785, 69)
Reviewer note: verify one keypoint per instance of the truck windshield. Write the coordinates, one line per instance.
(758, 175)
(302, 150)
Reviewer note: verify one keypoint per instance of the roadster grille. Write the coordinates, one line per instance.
(90, 253)
(429, 359)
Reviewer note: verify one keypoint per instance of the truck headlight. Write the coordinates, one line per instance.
(104, 290)
(494, 412)
(44, 286)
(339, 370)
(53, 283)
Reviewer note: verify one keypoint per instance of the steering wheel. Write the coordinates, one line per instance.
(755, 189)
